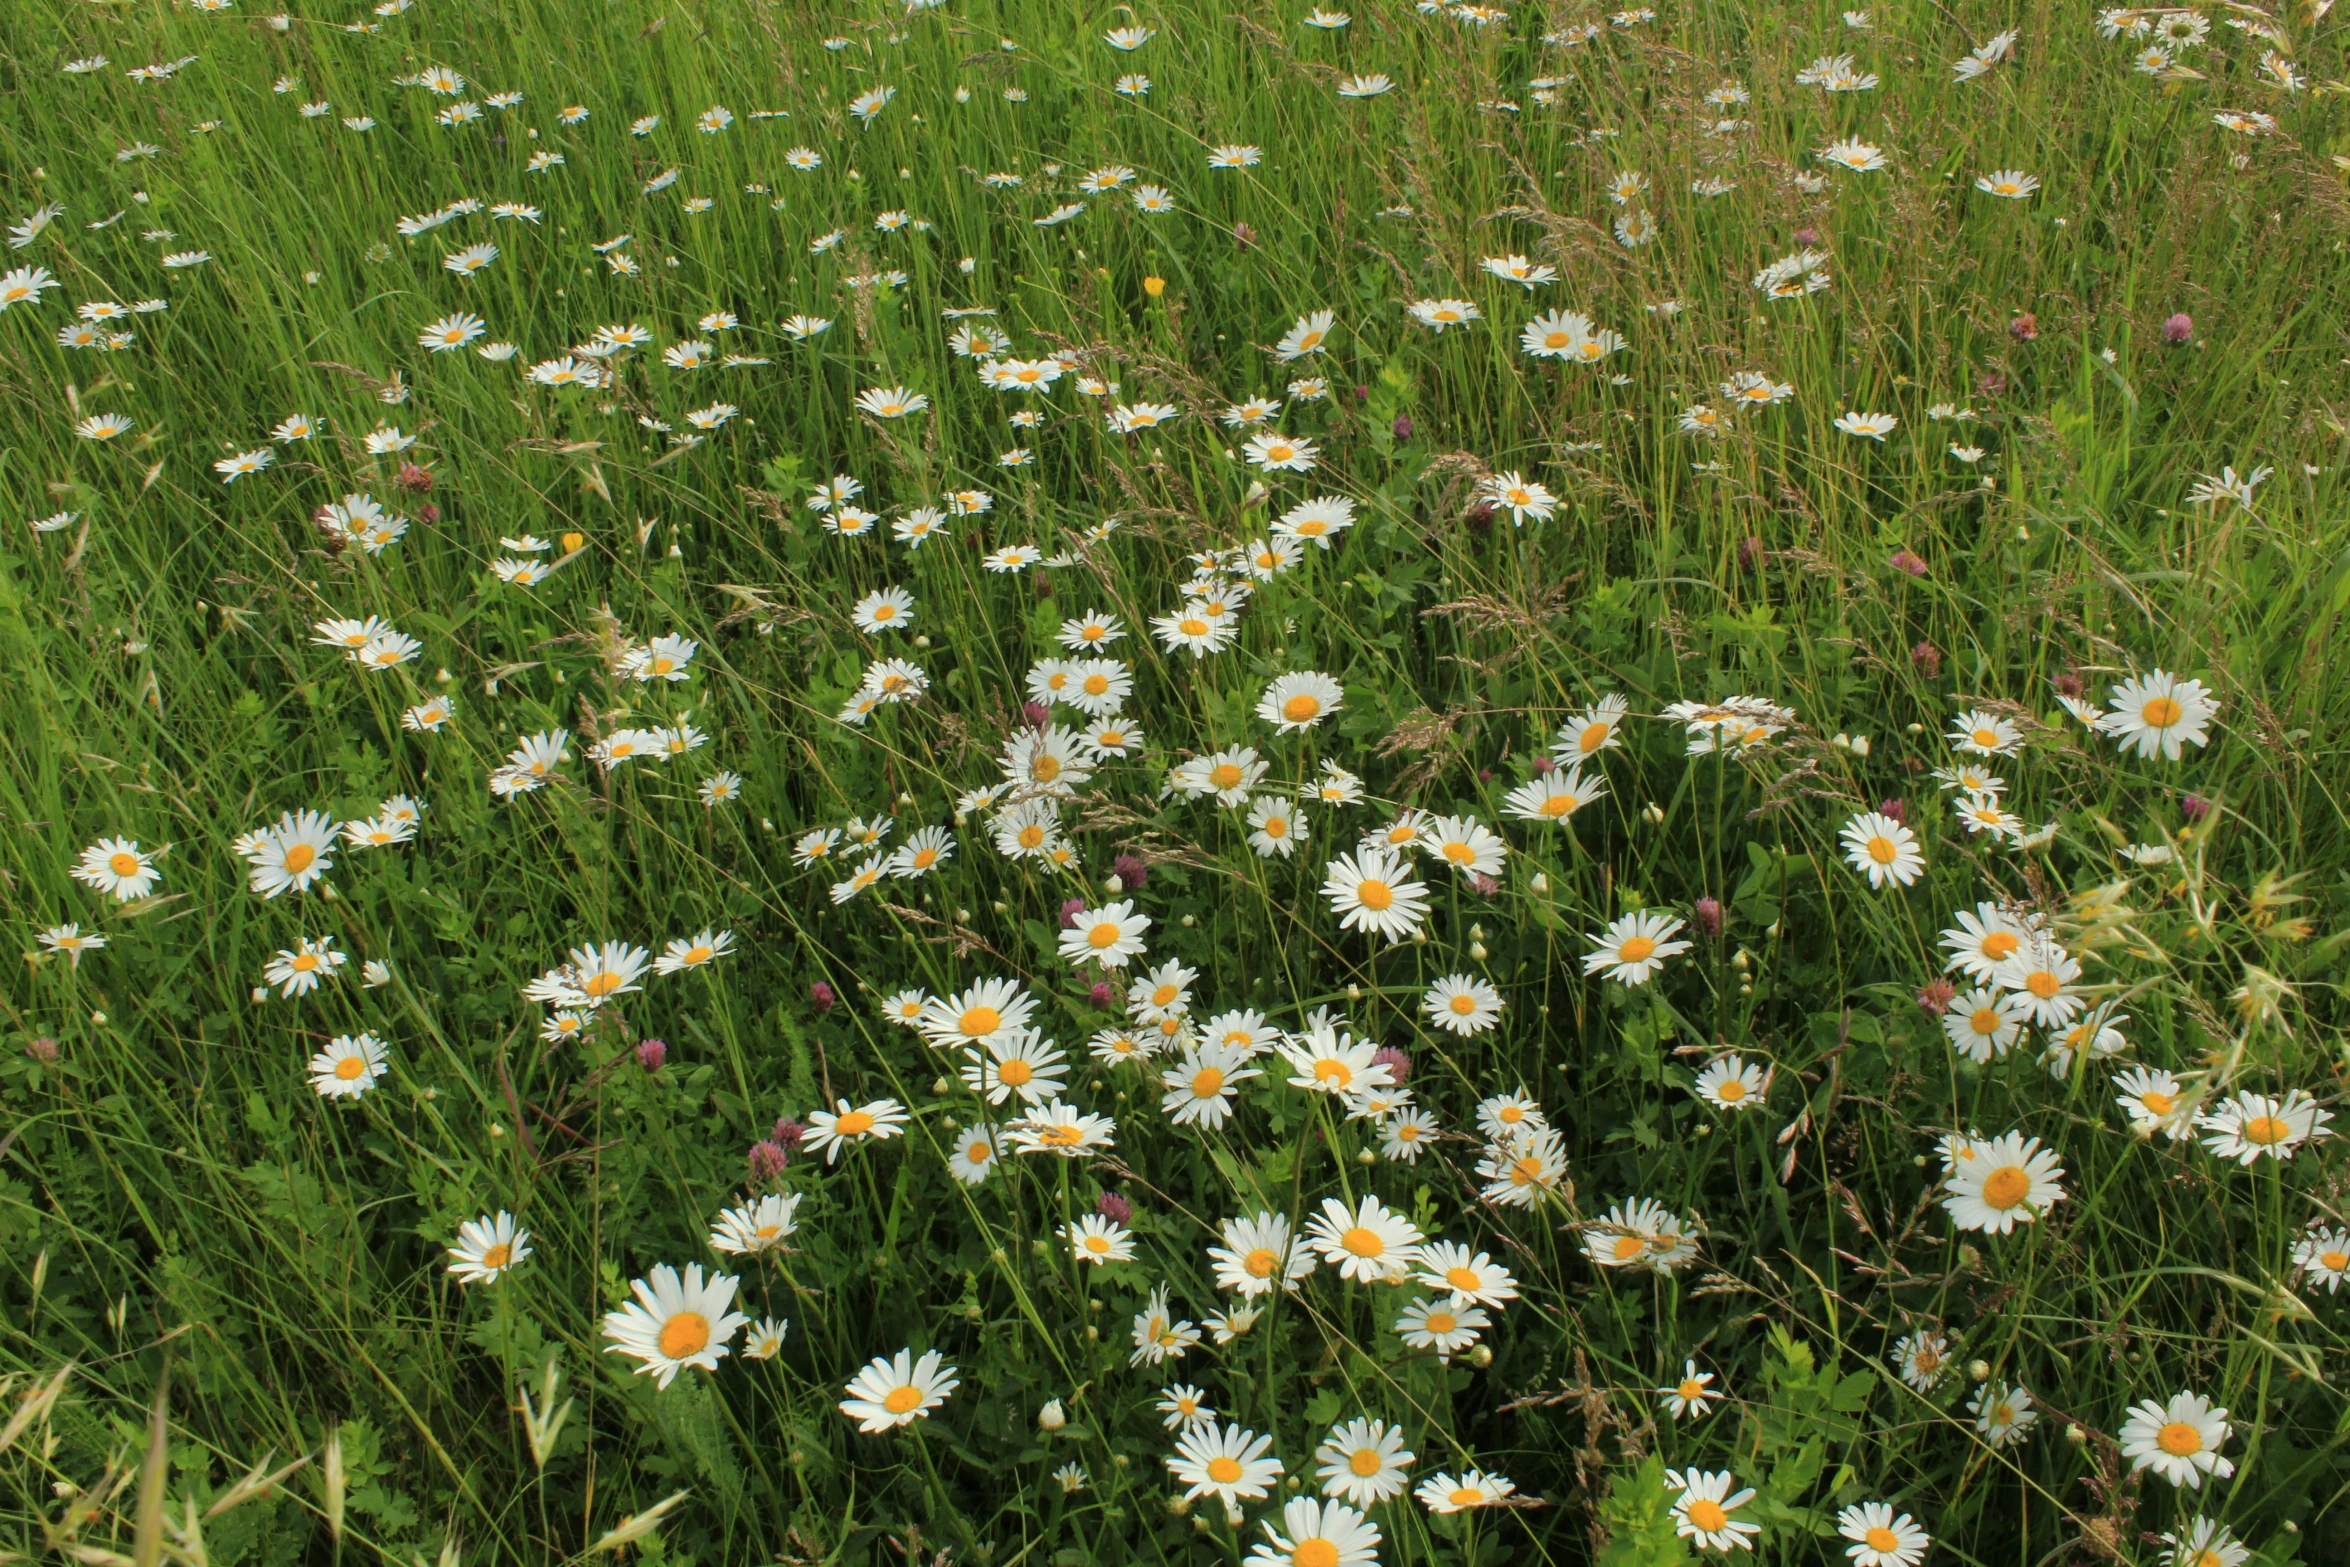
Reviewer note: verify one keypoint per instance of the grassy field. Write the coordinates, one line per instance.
(1516, 663)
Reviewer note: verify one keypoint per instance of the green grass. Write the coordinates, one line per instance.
(178, 1210)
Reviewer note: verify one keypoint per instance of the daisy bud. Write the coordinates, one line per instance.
(1978, 1370)
(1189, 922)
(2179, 328)
(260, 994)
(922, 640)
(1480, 1355)
(2075, 1435)
(1540, 883)
(1366, 1157)
(1051, 1417)
(1477, 951)
(1354, 992)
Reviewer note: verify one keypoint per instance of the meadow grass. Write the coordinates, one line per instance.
(210, 1271)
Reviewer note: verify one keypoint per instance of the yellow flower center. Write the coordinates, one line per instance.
(1225, 775)
(2157, 1102)
(2006, 1186)
(1363, 1242)
(2043, 984)
(1207, 1082)
(1333, 1072)
(1165, 995)
(978, 1153)
(1223, 1469)
(2333, 1261)
(2000, 944)
(1466, 1496)
(497, 1256)
(1627, 1247)
(1986, 1021)
(1988, 739)
(298, 858)
(2179, 1439)
(1193, 626)
(1276, 827)
(1636, 949)
(602, 984)
(304, 962)
(1016, 1073)
(1883, 850)
(1526, 1172)
(697, 955)
(2266, 1129)
(2161, 713)
(979, 1022)
(1031, 836)
(855, 1124)
(1556, 340)
(1374, 895)
(1708, 1515)
(902, 1400)
(1259, 1263)
(351, 1068)
(1105, 934)
(1881, 1538)
(687, 1333)
(1730, 1089)
(1691, 1388)
(123, 863)
(1442, 1322)
(1301, 707)
(1463, 1004)
(1097, 1243)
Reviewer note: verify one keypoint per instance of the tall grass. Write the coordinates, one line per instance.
(178, 1209)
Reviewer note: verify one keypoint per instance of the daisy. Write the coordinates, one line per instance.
(755, 1227)
(1331, 1061)
(1441, 1326)
(2158, 714)
(2323, 1257)
(2179, 1440)
(1880, 1539)
(291, 855)
(1201, 1088)
(2014, 184)
(1883, 849)
(1702, 1511)
(1985, 939)
(1692, 1396)
(1372, 890)
(1983, 1024)
(1733, 1083)
(1275, 827)
(1062, 1129)
(1098, 1240)
(1318, 521)
(1183, 1407)
(2003, 1414)
(1633, 949)
(298, 972)
(1466, 844)
(1407, 1132)
(602, 972)
(2010, 1180)
(1462, 1004)
(1521, 497)
(974, 1154)
(764, 1339)
(1274, 452)
(2152, 1099)
(2204, 1543)
(1923, 1359)
(1985, 734)
(1299, 701)
(1872, 426)
(2040, 976)
(118, 866)
(69, 940)
(897, 1390)
(1445, 1493)
(1366, 1243)
(1109, 936)
(1554, 796)
(977, 1014)
(1310, 335)
(1257, 1254)
(1363, 1461)
(891, 402)
(1439, 314)
(692, 952)
(488, 1246)
(829, 1131)
(1228, 1462)
(2246, 1126)
(1319, 1534)
(348, 1066)
(1018, 1062)
(888, 609)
